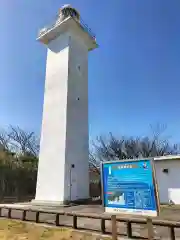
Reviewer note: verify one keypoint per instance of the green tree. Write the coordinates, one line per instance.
(18, 162)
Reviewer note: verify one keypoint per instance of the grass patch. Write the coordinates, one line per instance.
(18, 230)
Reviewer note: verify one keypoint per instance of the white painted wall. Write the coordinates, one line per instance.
(77, 150)
(168, 181)
(64, 136)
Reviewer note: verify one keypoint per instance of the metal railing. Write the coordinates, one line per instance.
(56, 23)
(171, 225)
(87, 29)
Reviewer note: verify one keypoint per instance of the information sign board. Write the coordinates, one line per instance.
(129, 187)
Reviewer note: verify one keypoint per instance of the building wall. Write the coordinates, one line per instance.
(77, 136)
(168, 180)
(50, 180)
(64, 136)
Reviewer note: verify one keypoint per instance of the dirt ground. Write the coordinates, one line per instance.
(167, 213)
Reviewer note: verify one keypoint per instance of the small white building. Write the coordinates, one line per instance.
(167, 170)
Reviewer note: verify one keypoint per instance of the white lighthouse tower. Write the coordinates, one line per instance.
(63, 171)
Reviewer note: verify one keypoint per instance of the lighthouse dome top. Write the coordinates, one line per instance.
(67, 11)
(68, 19)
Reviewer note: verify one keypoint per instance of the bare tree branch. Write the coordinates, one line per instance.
(25, 142)
(4, 140)
(127, 148)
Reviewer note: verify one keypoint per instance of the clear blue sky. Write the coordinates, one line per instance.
(134, 76)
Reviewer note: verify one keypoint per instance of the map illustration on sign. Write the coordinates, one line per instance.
(128, 187)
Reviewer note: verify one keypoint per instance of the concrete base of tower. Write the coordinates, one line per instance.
(35, 202)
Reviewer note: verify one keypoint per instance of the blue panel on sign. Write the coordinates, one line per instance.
(128, 187)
